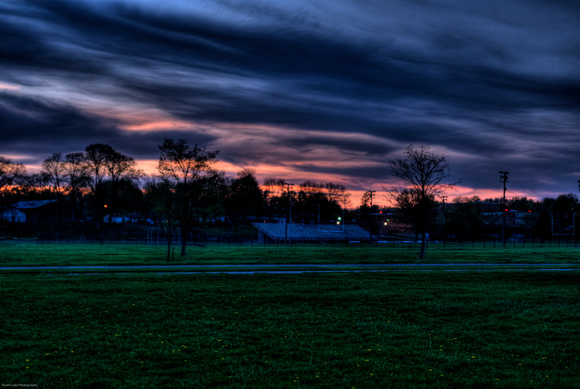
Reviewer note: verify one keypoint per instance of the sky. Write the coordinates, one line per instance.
(325, 90)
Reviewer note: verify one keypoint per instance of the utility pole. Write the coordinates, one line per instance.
(289, 212)
(371, 193)
(503, 178)
(344, 200)
(444, 221)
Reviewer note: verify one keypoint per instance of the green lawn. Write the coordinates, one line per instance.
(33, 254)
(363, 330)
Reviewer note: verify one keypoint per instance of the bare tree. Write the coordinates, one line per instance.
(426, 175)
(10, 173)
(97, 155)
(53, 170)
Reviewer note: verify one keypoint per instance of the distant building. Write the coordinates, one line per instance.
(12, 215)
(281, 232)
(127, 218)
(31, 211)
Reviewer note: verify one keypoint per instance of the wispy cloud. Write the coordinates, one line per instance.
(331, 89)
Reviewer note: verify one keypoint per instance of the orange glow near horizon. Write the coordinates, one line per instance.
(289, 174)
(296, 176)
(157, 125)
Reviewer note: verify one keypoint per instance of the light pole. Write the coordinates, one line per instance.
(343, 209)
(289, 213)
(444, 221)
(371, 193)
(503, 177)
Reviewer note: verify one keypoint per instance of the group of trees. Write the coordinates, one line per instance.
(188, 191)
(464, 218)
(427, 177)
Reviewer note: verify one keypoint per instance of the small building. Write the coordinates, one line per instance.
(12, 215)
(127, 218)
(31, 211)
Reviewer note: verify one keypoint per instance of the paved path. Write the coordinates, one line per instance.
(284, 268)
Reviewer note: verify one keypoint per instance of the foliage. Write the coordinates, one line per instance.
(324, 200)
(244, 197)
(463, 220)
(310, 201)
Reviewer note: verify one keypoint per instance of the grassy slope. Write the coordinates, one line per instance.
(331, 330)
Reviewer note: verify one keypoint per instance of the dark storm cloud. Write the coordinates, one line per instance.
(493, 84)
(45, 127)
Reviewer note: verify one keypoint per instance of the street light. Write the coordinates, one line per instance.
(289, 213)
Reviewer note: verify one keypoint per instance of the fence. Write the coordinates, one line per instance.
(215, 240)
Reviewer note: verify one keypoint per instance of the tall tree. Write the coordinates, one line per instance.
(426, 176)
(564, 209)
(10, 173)
(160, 194)
(320, 200)
(105, 162)
(182, 165)
(209, 196)
(97, 155)
(53, 170)
(463, 219)
(77, 177)
(123, 173)
(120, 166)
(244, 196)
(276, 200)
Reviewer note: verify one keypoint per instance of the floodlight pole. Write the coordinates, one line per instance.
(371, 193)
(343, 208)
(503, 177)
(289, 212)
(444, 197)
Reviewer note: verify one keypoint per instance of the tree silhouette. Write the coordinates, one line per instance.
(182, 165)
(426, 175)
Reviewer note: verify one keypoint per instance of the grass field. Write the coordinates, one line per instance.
(339, 330)
(363, 330)
(33, 254)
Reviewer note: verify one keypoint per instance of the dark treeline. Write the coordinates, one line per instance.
(189, 194)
